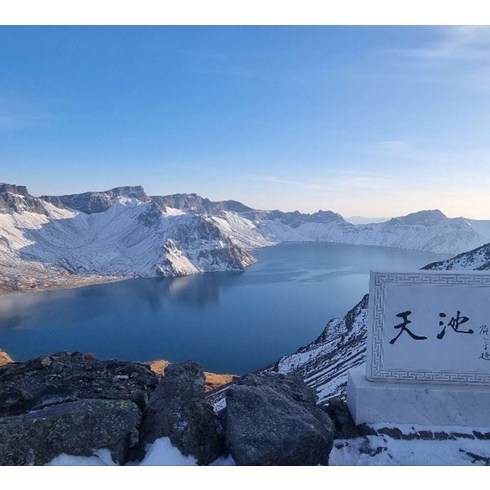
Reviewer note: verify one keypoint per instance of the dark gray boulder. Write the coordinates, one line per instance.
(14, 400)
(273, 419)
(177, 409)
(66, 376)
(77, 428)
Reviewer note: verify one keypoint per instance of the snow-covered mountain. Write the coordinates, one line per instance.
(424, 230)
(123, 232)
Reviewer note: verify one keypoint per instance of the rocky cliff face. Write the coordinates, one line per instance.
(197, 204)
(16, 199)
(97, 202)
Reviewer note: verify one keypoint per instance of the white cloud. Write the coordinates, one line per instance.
(456, 54)
(456, 43)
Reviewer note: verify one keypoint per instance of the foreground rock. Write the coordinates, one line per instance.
(212, 381)
(178, 410)
(66, 377)
(77, 428)
(273, 419)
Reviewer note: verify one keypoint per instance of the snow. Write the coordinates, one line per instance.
(242, 231)
(228, 461)
(159, 453)
(162, 453)
(101, 457)
(375, 450)
(382, 450)
(220, 404)
(128, 201)
(173, 212)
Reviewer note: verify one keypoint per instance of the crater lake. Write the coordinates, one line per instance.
(228, 322)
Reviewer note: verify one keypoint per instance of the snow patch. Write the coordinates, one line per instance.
(162, 453)
(385, 451)
(101, 457)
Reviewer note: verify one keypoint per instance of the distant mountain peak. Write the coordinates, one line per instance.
(195, 203)
(127, 190)
(436, 213)
(97, 201)
(16, 199)
(423, 217)
(20, 190)
(329, 214)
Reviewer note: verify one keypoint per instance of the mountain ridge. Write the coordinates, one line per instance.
(123, 232)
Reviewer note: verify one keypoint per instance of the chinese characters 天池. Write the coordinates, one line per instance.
(455, 322)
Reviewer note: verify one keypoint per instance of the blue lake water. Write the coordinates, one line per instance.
(228, 322)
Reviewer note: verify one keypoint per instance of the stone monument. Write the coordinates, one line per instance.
(428, 351)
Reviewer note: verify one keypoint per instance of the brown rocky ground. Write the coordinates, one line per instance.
(4, 358)
(212, 380)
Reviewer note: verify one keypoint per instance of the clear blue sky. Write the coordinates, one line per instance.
(369, 121)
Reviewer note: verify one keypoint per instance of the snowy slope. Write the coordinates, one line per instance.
(325, 362)
(477, 259)
(241, 231)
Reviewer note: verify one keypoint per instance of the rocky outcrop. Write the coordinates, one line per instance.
(16, 199)
(197, 204)
(274, 419)
(62, 377)
(178, 410)
(97, 202)
(77, 428)
(212, 381)
(74, 404)
(20, 190)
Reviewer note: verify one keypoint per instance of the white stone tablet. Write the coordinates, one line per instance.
(429, 327)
